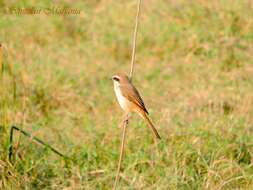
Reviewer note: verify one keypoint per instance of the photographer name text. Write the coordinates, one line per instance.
(40, 11)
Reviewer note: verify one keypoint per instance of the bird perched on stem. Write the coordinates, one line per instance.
(130, 99)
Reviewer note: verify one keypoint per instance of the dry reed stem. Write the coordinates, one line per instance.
(125, 124)
(122, 148)
(135, 39)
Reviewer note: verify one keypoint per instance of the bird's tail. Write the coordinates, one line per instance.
(150, 124)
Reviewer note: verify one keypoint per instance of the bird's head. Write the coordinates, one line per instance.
(120, 79)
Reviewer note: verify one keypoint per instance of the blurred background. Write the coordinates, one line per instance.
(193, 69)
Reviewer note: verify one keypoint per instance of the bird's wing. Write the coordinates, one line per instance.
(132, 94)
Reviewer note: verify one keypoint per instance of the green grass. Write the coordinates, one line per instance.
(194, 70)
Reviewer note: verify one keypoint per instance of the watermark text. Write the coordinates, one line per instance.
(42, 11)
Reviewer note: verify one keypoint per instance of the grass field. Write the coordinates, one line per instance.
(194, 70)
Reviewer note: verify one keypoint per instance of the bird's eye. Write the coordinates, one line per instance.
(116, 78)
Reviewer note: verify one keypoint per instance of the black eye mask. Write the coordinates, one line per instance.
(116, 78)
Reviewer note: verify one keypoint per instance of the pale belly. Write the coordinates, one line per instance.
(124, 103)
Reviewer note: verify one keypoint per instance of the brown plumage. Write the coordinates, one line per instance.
(130, 99)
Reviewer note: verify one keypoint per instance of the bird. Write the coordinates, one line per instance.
(130, 100)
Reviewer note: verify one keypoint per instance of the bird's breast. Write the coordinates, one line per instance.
(123, 102)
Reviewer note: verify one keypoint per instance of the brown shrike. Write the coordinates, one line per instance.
(130, 99)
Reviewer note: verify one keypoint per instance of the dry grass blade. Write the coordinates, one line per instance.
(33, 138)
(96, 172)
(1, 58)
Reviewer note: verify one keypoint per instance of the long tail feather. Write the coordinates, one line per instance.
(150, 124)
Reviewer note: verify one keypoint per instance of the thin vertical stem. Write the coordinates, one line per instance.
(1, 59)
(122, 148)
(135, 39)
(127, 116)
